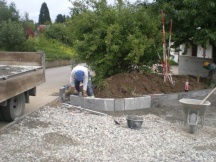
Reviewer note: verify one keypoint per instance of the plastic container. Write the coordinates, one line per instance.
(134, 122)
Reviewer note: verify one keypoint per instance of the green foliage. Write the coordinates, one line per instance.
(54, 50)
(60, 18)
(172, 62)
(12, 36)
(193, 20)
(44, 16)
(27, 23)
(29, 45)
(58, 32)
(114, 39)
(8, 12)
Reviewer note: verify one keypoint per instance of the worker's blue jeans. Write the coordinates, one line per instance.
(89, 86)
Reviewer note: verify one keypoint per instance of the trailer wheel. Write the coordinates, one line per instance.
(15, 108)
(1, 118)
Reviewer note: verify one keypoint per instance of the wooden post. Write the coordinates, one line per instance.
(198, 78)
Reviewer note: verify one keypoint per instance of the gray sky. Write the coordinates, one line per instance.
(32, 7)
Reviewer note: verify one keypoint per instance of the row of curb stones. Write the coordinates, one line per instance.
(137, 103)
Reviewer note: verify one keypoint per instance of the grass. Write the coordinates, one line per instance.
(53, 49)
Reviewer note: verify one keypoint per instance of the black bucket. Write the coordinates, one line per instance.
(134, 122)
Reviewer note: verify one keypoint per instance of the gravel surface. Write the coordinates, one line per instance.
(63, 133)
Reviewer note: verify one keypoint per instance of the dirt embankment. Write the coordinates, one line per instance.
(136, 84)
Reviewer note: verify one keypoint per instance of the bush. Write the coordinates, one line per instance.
(58, 32)
(114, 39)
(12, 36)
(53, 49)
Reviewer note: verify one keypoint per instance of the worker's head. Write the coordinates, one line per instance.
(79, 75)
(207, 65)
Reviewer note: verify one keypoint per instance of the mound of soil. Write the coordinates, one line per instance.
(136, 84)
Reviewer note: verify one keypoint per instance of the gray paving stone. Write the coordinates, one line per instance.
(147, 101)
(155, 100)
(89, 103)
(109, 104)
(119, 104)
(77, 100)
(99, 104)
(142, 102)
(129, 104)
(62, 93)
(166, 98)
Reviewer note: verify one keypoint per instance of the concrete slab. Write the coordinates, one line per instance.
(109, 104)
(77, 100)
(129, 104)
(142, 102)
(155, 99)
(62, 93)
(119, 104)
(164, 99)
(92, 104)
(99, 104)
(137, 103)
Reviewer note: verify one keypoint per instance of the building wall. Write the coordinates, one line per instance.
(207, 53)
(191, 65)
(201, 52)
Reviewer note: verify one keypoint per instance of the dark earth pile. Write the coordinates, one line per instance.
(136, 84)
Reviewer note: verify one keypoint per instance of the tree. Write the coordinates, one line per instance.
(60, 18)
(58, 32)
(114, 39)
(8, 12)
(193, 20)
(12, 36)
(44, 16)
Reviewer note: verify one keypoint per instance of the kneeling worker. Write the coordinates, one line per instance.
(80, 74)
(211, 67)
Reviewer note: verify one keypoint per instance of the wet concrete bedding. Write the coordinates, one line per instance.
(61, 133)
(15, 69)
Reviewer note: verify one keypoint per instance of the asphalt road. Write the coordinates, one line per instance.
(48, 91)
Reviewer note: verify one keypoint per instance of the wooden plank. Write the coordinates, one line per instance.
(21, 58)
(21, 83)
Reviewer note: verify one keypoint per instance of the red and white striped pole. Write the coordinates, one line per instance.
(164, 47)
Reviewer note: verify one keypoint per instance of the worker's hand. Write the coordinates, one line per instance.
(85, 94)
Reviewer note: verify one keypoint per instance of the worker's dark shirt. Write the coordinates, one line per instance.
(212, 69)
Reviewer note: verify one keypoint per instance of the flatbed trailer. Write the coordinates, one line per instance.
(20, 74)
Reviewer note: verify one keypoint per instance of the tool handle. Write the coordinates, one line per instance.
(207, 96)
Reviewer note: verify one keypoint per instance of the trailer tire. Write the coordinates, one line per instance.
(1, 118)
(15, 108)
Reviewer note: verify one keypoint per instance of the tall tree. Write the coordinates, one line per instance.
(60, 18)
(44, 16)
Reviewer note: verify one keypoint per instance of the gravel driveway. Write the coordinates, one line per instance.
(62, 133)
